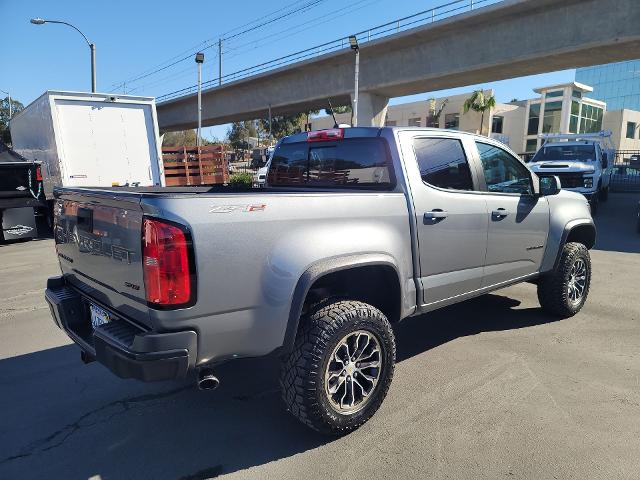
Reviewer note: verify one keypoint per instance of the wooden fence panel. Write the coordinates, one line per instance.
(207, 165)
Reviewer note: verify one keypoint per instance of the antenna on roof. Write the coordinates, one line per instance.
(335, 122)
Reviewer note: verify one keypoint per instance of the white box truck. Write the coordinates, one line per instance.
(90, 139)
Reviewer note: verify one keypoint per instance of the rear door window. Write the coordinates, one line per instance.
(442, 163)
(347, 163)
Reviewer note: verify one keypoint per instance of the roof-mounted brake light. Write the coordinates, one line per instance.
(326, 135)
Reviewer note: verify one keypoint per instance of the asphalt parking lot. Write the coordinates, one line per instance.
(491, 388)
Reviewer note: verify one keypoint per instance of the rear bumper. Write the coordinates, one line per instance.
(124, 348)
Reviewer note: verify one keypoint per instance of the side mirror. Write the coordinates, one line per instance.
(549, 185)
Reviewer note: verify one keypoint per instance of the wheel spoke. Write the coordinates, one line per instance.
(336, 387)
(369, 355)
(363, 365)
(361, 351)
(365, 394)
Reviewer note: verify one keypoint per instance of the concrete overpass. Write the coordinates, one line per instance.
(510, 39)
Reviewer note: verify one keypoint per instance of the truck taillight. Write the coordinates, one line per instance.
(325, 135)
(166, 250)
(38, 174)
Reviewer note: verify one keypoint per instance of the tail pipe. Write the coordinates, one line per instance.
(207, 380)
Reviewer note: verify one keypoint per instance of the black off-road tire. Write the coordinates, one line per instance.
(302, 377)
(604, 194)
(553, 288)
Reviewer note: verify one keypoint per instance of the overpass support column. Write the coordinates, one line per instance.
(372, 109)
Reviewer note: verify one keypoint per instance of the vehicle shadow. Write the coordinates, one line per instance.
(62, 419)
(616, 223)
(488, 313)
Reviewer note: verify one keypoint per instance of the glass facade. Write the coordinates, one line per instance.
(574, 119)
(532, 145)
(590, 119)
(618, 84)
(534, 119)
(552, 117)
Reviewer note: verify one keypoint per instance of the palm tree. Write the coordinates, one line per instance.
(479, 102)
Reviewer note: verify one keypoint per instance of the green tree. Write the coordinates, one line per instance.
(16, 107)
(283, 125)
(340, 109)
(433, 116)
(308, 113)
(479, 102)
(239, 133)
(184, 138)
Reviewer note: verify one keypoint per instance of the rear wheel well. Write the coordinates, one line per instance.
(377, 285)
(584, 234)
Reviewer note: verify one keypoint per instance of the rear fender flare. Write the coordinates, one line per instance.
(316, 271)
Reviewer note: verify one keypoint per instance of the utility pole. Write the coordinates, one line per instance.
(270, 135)
(219, 61)
(353, 42)
(199, 61)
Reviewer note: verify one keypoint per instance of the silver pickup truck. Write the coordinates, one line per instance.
(356, 229)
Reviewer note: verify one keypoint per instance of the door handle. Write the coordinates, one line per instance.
(435, 215)
(499, 213)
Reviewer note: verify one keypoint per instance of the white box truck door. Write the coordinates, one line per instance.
(106, 144)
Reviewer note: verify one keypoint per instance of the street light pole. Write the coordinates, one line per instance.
(199, 61)
(92, 46)
(353, 41)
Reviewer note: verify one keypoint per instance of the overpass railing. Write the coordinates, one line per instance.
(424, 17)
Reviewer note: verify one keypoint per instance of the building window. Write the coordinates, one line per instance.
(390, 123)
(574, 119)
(534, 119)
(433, 122)
(532, 145)
(577, 94)
(555, 93)
(496, 124)
(590, 119)
(452, 121)
(552, 116)
(415, 122)
(442, 163)
(631, 129)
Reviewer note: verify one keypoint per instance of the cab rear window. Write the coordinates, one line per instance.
(348, 163)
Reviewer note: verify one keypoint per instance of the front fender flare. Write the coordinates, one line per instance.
(554, 251)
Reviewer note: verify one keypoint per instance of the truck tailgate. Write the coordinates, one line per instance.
(98, 242)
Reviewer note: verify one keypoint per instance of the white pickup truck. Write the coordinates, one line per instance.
(581, 161)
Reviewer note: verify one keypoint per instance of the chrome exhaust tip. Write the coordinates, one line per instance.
(207, 380)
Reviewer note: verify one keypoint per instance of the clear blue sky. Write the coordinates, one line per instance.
(135, 36)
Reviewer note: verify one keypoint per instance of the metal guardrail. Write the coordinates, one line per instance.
(626, 172)
(424, 17)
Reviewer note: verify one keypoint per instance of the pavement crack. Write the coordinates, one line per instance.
(117, 407)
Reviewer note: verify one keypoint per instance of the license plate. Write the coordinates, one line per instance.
(98, 316)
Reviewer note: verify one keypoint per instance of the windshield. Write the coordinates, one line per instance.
(580, 153)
